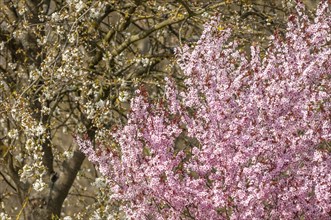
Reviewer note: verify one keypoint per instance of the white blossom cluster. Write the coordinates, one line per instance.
(4, 216)
(32, 173)
(97, 9)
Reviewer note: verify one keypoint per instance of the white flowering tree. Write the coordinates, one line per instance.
(69, 67)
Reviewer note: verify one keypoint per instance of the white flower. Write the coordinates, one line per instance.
(100, 182)
(45, 109)
(12, 65)
(55, 17)
(68, 154)
(29, 144)
(4, 216)
(161, 8)
(27, 172)
(64, 129)
(19, 157)
(100, 103)
(79, 6)
(39, 185)
(145, 62)
(39, 130)
(81, 128)
(2, 45)
(94, 13)
(72, 38)
(67, 218)
(123, 96)
(97, 215)
(22, 10)
(90, 112)
(205, 15)
(13, 133)
(65, 56)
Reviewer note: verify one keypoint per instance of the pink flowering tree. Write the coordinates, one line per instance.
(248, 139)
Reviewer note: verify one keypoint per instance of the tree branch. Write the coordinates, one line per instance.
(156, 27)
(187, 7)
(65, 181)
(7, 181)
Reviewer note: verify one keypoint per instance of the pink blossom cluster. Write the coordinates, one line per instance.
(258, 131)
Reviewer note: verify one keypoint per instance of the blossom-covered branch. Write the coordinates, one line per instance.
(258, 130)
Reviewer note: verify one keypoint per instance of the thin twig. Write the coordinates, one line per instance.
(24, 204)
(7, 181)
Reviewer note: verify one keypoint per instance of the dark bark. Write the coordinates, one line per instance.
(50, 205)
